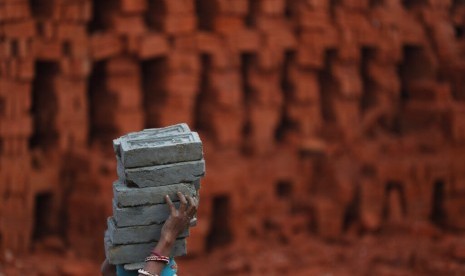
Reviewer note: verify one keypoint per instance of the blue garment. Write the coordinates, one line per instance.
(170, 270)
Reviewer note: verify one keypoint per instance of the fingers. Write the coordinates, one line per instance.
(188, 205)
(183, 201)
(192, 206)
(171, 205)
(191, 201)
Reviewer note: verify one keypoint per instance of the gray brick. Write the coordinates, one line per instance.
(140, 215)
(125, 196)
(135, 266)
(160, 151)
(163, 174)
(135, 253)
(151, 133)
(136, 234)
(120, 170)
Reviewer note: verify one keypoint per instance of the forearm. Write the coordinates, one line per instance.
(174, 225)
(108, 269)
(163, 247)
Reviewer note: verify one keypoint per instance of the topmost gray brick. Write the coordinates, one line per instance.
(151, 133)
(160, 150)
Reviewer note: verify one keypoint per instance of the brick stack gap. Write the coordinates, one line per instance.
(151, 164)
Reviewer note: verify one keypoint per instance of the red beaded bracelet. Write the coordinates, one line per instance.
(157, 257)
(155, 253)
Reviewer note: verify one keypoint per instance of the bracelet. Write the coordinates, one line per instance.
(154, 258)
(145, 272)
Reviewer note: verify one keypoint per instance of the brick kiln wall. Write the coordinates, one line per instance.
(316, 115)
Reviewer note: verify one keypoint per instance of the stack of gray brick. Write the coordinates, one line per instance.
(151, 164)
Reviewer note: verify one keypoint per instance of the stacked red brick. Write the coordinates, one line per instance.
(17, 32)
(43, 62)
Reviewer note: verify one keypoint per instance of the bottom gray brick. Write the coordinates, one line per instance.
(136, 253)
(135, 266)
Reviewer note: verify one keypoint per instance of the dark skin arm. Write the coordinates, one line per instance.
(108, 269)
(176, 223)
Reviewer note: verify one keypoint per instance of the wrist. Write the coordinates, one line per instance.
(168, 237)
(164, 245)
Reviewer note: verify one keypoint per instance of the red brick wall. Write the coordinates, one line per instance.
(317, 116)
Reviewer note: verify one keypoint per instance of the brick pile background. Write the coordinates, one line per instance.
(339, 121)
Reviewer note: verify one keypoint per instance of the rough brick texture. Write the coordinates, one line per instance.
(318, 117)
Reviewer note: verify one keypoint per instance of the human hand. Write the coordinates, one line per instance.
(179, 219)
(176, 223)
